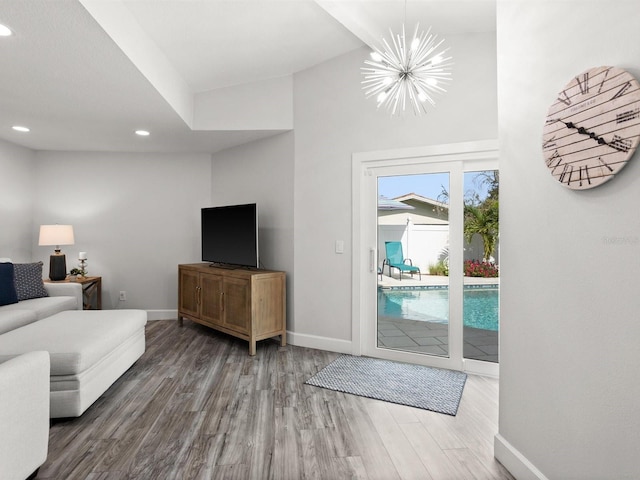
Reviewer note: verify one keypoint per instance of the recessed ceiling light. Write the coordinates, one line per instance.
(19, 128)
(142, 133)
(5, 31)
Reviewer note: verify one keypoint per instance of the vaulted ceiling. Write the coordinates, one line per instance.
(85, 74)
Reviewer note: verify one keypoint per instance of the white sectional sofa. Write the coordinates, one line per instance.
(24, 415)
(82, 352)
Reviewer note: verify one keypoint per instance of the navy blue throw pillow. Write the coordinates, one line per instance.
(7, 286)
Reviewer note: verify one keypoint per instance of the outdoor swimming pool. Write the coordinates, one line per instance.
(481, 308)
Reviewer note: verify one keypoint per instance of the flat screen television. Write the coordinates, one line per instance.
(230, 235)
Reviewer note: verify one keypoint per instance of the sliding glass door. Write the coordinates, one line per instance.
(427, 238)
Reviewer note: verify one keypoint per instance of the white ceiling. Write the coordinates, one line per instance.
(65, 77)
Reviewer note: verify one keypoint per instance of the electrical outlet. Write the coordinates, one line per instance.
(123, 296)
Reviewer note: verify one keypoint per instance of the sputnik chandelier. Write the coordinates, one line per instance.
(401, 73)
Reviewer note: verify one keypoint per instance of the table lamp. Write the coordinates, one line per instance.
(57, 235)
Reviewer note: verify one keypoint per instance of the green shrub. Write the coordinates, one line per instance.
(440, 268)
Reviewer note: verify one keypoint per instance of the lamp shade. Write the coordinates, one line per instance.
(56, 235)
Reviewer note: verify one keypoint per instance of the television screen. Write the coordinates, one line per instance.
(230, 235)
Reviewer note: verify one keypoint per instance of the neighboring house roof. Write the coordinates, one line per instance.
(420, 198)
(413, 207)
(389, 204)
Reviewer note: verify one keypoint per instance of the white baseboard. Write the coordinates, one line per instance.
(476, 367)
(162, 314)
(517, 464)
(321, 343)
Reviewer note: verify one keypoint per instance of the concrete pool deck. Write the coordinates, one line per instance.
(430, 280)
(429, 337)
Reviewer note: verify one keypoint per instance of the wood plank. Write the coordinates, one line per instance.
(400, 450)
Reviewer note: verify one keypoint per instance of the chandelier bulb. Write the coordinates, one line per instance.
(375, 56)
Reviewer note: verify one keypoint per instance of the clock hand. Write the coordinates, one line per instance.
(584, 131)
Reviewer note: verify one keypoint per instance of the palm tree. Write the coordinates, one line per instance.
(482, 220)
(481, 215)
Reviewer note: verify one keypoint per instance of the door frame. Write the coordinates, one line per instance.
(364, 260)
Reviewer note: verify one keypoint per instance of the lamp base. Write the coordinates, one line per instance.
(57, 267)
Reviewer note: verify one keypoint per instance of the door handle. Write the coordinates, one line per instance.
(372, 259)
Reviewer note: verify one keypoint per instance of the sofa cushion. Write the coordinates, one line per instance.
(8, 293)
(11, 319)
(28, 280)
(44, 306)
(75, 340)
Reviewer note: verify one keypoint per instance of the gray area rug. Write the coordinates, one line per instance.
(428, 388)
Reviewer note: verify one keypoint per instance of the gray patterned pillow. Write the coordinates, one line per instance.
(28, 279)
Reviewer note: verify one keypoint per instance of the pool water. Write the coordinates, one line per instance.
(480, 305)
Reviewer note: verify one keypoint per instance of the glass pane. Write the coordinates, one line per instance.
(481, 271)
(413, 263)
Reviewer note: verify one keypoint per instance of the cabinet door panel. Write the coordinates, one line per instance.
(189, 281)
(211, 298)
(237, 304)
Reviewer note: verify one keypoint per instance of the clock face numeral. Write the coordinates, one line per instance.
(605, 164)
(584, 84)
(566, 174)
(566, 100)
(549, 144)
(584, 174)
(622, 90)
(606, 74)
(555, 158)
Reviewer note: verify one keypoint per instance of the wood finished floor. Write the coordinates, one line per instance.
(196, 406)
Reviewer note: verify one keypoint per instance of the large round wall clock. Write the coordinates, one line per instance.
(592, 128)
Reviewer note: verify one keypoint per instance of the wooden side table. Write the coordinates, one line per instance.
(91, 291)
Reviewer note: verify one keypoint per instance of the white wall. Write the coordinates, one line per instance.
(262, 172)
(262, 105)
(332, 120)
(16, 201)
(570, 333)
(424, 244)
(136, 215)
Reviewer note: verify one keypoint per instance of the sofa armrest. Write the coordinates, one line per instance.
(66, 290)
(24, 414)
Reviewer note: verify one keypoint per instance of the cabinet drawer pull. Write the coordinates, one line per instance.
(222, 300)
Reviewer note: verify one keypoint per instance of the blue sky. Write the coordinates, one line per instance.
(429, 185)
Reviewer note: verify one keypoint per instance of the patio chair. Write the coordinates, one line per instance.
(395, 259)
